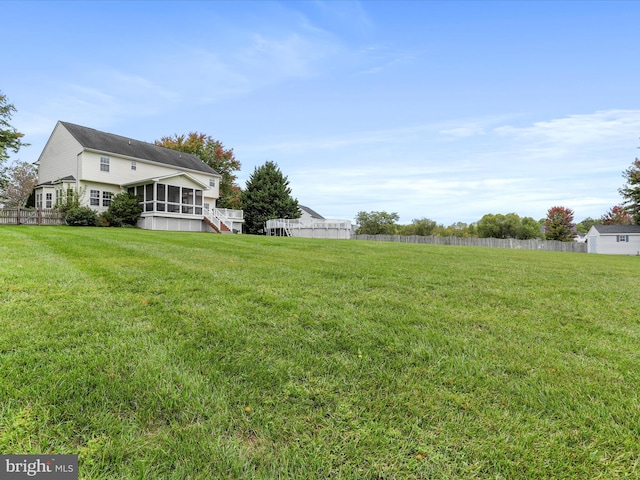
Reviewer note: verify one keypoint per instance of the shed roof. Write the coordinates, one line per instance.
(109, 143)
(616, 229)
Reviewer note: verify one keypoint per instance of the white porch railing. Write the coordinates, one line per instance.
(289, 225)
(223, 216)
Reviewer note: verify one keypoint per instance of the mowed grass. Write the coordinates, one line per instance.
(183, 355)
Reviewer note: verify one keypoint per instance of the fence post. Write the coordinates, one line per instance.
(18, 216)
(39, 213)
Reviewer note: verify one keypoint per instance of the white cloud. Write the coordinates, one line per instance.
(575, 161)
(580, 129)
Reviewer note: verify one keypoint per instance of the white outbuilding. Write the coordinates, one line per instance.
(614, 239)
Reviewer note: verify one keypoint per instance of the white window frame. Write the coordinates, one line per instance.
(105, 164)
(106, 199)
(622, 238)
(94, 198)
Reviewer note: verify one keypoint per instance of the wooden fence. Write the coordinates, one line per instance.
(535, 244)
(30, 216)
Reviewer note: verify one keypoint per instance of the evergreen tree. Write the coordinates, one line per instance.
(631, 191)
(267, 196)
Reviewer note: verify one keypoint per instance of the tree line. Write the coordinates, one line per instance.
(557, 225)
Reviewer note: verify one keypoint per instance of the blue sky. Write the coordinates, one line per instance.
(444, 110)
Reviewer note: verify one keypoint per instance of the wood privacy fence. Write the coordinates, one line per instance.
(30, 216)
(535, 244)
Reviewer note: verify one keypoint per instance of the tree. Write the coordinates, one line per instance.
(617, 215)
(586, 224)
(10, 138)
(631, 190)
(213, 153)
(559, 224)
(124, 210)
(21, 178)
(418, 226)
(376, 223)
(267, 196)
(508, 226)
(529, 228)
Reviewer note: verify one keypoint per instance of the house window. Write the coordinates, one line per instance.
(94, 198)
(104, 164)
(106, 199)
(49, 200)
(38, 200)
(133, 165)
(623, 238)
(212, 182)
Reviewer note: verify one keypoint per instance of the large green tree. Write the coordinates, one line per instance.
(213, 153)
(267, 196)
(559, 224)
(377, 223)
(631, 190)
(10, 138)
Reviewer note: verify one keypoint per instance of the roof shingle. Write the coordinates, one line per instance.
(115, 144)
(614, 229)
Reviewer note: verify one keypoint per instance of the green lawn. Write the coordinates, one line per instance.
(184, 355)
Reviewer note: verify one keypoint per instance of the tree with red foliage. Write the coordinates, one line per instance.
(559, 224)
(213, 153)
(618, 215)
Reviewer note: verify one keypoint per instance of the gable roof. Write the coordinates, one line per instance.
(615, 229)
(93, 139)
(313, 213)
(164, 177)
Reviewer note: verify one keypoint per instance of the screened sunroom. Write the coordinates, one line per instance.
(176, 202)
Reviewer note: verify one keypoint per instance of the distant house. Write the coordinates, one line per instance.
(614, 239)
(310, 225)
(309, 216)
(177, 190)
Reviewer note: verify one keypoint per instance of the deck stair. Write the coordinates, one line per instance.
(217, 220)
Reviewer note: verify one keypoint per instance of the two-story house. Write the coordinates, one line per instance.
(177, 190)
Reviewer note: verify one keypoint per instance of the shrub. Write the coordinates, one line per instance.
(125, 210)
(71, 200)
(81, 217)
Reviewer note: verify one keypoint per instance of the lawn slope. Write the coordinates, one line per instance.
(186, 355)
